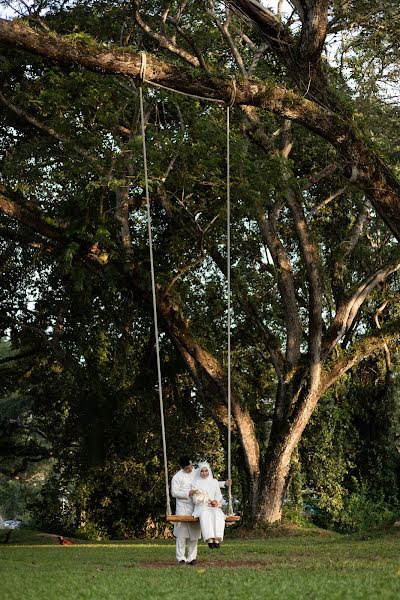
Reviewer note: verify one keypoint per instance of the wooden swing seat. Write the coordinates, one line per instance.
(190, 519)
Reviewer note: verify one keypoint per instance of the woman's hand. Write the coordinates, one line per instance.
(213, 503)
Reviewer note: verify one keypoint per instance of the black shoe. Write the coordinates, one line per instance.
(192, 563)
(216, 545)
(181, 562)
(211, 545)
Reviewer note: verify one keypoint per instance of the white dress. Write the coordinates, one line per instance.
(212, 519)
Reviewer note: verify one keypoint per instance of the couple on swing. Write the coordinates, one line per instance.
(197, 494)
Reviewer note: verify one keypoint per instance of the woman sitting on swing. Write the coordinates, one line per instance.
(207, 500)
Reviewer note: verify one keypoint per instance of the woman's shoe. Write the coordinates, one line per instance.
(211, 545)
(216, 545)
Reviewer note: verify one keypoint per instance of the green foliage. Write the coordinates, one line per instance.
(17, 497)
(328, 451)
(70, 253)
(50, 511)
(364, 510)
(350, 459)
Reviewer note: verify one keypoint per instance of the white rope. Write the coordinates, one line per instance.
(232, 99)
(164, 87)
(153, 288)
(228, 270)
(142, 73)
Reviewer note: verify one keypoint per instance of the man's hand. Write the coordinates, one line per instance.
(228, 482)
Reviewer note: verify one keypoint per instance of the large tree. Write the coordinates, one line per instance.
(308, 274)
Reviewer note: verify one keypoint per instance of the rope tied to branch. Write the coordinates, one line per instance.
(233, 94)
(143, 65)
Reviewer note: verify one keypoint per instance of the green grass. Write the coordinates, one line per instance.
(307, 565)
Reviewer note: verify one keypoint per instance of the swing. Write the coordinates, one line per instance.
(190, 519)
(170, 518)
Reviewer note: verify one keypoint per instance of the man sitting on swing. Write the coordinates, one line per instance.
(187, 534)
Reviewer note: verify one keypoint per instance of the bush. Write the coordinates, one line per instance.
(89, 530)
(361, 511)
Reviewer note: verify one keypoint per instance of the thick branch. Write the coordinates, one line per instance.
(304, 408)
(207, 371)
(301, 60)
(27, 215)
(361, 350)
(347, 312)
(286, 286)
(311, 257)
(313, 33)
(372, 175)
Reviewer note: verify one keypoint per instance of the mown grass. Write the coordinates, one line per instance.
(310, 566)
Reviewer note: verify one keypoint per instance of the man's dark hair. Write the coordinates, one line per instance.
(184, 461)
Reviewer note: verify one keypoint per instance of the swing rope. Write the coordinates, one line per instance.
(228, 271)
(153, 285)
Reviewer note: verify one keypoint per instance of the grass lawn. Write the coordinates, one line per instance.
(307, 565)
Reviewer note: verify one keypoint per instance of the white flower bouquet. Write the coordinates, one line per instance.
(201, 497)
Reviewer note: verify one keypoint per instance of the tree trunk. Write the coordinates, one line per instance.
(273, 491)
(276, 469)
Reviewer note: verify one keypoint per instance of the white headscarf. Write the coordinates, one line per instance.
(204, 465)
(205, 484)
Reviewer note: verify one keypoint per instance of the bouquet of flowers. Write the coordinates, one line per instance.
(201, 497)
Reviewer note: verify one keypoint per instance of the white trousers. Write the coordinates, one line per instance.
(212, 523)
(181, 543)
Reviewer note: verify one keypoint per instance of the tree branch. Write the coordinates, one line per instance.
(311, 257)
(326, 201)
(162, 40)
(313, 32)
(386, 350)
(49, 131)
(224, 29)
(22, 355)
(347, 312)
(285, 284)
(28, 215)
(369, 171)
(25, 239)
(365, 347)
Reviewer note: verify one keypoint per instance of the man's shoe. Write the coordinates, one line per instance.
(192, 563)
(181, 562)
(211, 545)
(216, 545)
